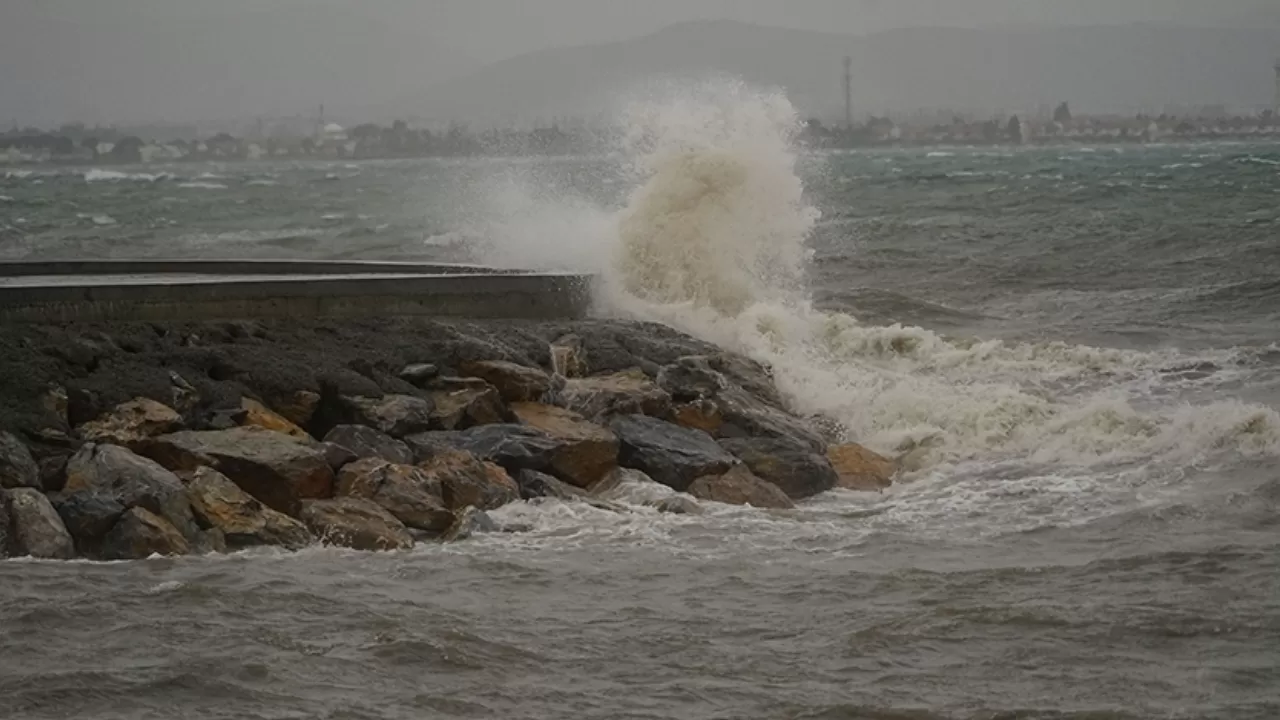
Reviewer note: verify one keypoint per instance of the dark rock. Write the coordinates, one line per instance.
(419, 374)
(88, 515)
(858, 468)
(298, 407)
(413, 495)
(132, 481)
(534, 484)
(747, 416)
(789, 463)
(37, 530)
(53, 472)
(209, 542)
(515, 383)
(623, 393)
(465, 479)
(355, 523)
(740, 486)
(678, 505)
(471, 521)
(6, 525)
(395, 415)
(337, 456)
(129, 423)
(225, 418)
(467, 403)
(140, 534)
(17, 468)
(701, 415)
(670, 454)
(569, 356)
(243, 521)
(366, 442)
(587, 451)
(610, 485)
(277, 469)
(514, 447)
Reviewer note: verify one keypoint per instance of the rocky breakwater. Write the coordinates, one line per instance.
(122, 441)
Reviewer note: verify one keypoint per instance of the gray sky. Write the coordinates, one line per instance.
(181, 60)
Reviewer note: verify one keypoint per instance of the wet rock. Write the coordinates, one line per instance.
(53, 472)
(858, 468)
(17, 468)
(465, 479)
(209, 542)
(624, 393)
(610, 485)
(467, 403)
(701, 415)
(37, 531)
(671, 455)
(6, 525)
(678, 505)
(131, 422)
(140, 534)
(515, 383)
(259, 415)
(791, 464)
(132, 481)
(337, 456)
(395, 415)
(298, 407)
(471, 521)
(514, 447)
(569, 356)
(88, 516)
(365, 442)
(279, 470)
(586, 451)
(419, 373)
(740, 486)
(534, 484)
(413, 495)
(355, 523)
(243, 521)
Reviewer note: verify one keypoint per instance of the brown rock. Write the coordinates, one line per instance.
(858, 468)
(625, 393)
(515, 383)
(243, 521)
(299, 407)
(37, 530)
(365, 442)
(17, 467)
(467, 404)
(355, 523)
(395, 415)
(587, 451)
(260, 415)
(701, 415)
(131, 422)
(410, 493)
(740, 486)
(569, 357)
(789, 463)
(466, 480)
(279, 470)
(140, 534)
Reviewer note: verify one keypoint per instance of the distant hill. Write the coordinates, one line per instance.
(1098, 69)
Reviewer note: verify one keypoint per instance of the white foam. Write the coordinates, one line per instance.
(203, 185)
(99, 175)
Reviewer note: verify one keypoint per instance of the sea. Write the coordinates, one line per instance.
(1071, 349)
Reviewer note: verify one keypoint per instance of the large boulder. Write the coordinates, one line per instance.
(516, 383)
(130, 480)
(670, 454)
(858, 468)
(355, 523)
(461, 403)
(587, 451)
(740, 486)
(17, 468)
(37, 530)
(140, 534)
(413, 495)
(514, 447)
(89, 515)
(395, 415)
(277, 469)
(625, 393)
(259, 415)
(791, 464)
(365, 442)
(132, 422)
(419, 373)
(242, 520)
(465, 479)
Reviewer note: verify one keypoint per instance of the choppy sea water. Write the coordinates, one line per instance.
(1073, 348)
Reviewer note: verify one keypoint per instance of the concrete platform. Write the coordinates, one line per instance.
(62, 291)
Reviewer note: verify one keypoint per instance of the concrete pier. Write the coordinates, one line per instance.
(63, 291)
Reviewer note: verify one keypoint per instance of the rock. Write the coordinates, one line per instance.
(395, 415)
(131, 422)
(355, 523)
(515, 383)
(225, 419)
(740, 486)
(37, 531)
(467, 405)
(17, 468)
(471, 521)
(132, 481)
(747, 416)
(701, 415)
(365, 442)
(6, 526)
(209, 542)
(514, 447)
(298, 408)
(53, 472)
(419, 373)
(260, 415)
(624, 393)
(185, 398)
(858, 468)
(413, 495)
(279, 470)
(140, 534)
(337, 456)
(678, 505)
(586, 452)
(609, 486)
(88, 515)
(791, 464)
(671, 455)
(243, 521)
(465, 479)
(569, 356)
(534, 484)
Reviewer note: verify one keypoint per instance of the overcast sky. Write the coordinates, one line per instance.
(132, 60)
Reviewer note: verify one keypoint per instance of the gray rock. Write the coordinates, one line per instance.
(17, 468)
(534, 484)
(419, 373)
(395, 415)
(132, 481)
(412, 494)
(467, 402)
(337, 456)
(671, 455)
(37, 529)
(678, 505)
(623, 393)
(514, 447)
(740, 486)
(88, 515)
(516, 383)
(209, 542)
(367, 442)
(53, 472)
(140, 534)
(6, 541)
(355, 523)
(790, 464)
(470, 522)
